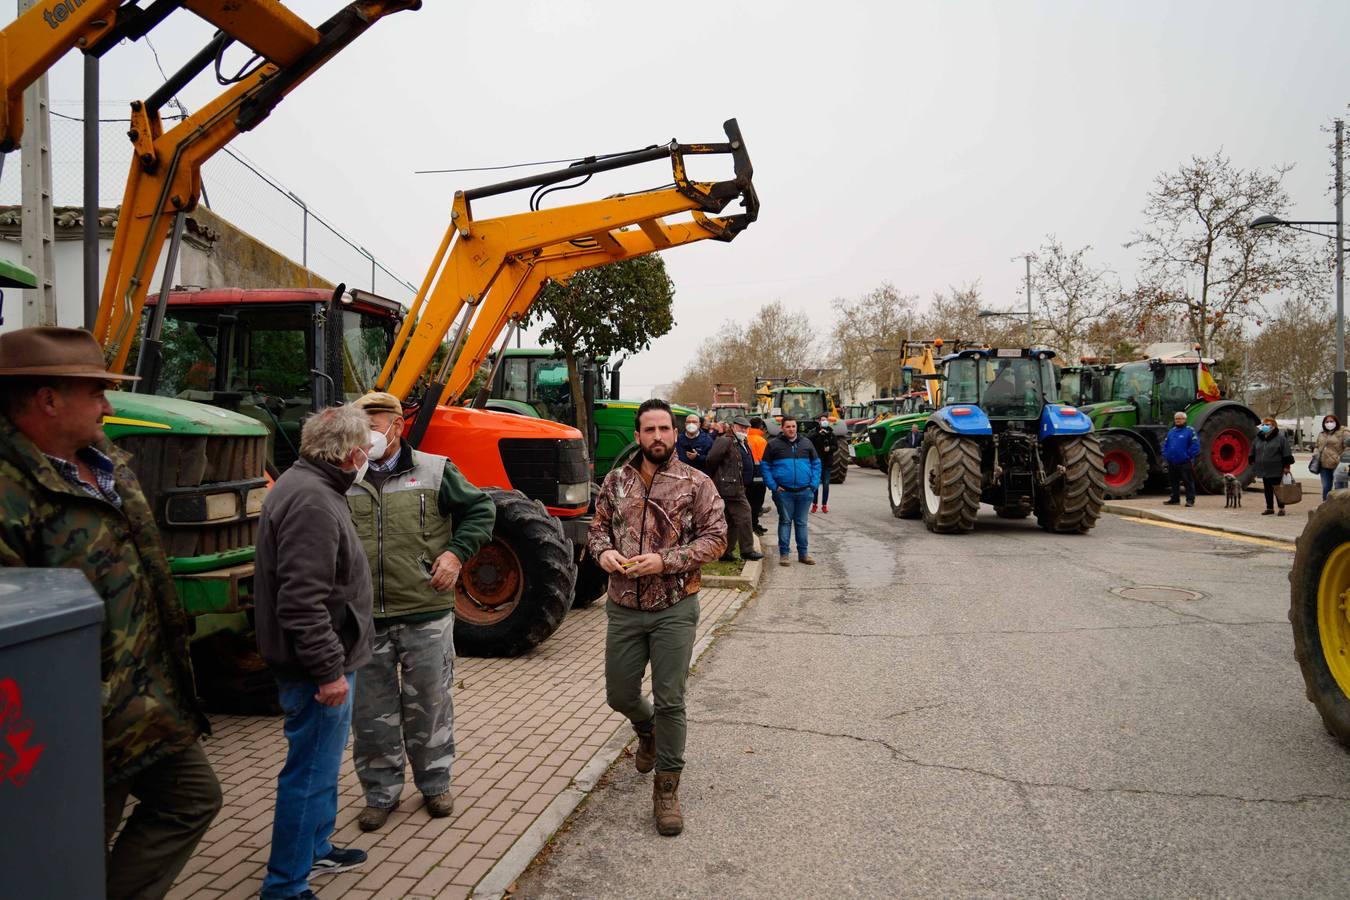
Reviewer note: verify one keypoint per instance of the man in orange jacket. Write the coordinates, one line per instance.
(757, 440)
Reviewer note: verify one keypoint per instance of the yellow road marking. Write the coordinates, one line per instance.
(1212, 532)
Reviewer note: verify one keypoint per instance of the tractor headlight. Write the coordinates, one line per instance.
(574, 494)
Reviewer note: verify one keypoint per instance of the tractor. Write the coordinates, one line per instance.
(807, 403)
(1086, 383)
(1145, 395)
(1000, 438)
(727, 403)
(1318, 587)
(873, 443)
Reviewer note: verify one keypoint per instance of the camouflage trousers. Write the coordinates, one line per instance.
(403, 709)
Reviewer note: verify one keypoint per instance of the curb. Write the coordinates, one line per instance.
(1135, 513)
(498, 880)
(749, 578)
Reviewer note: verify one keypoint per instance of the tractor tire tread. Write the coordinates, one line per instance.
(904, 467)
(1137, 453)
(1074, 504)
(1328, 527)
(958, 483)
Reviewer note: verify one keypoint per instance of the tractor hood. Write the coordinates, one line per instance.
(148, 413)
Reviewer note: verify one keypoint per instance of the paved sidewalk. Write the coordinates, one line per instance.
(524, 728)
(1209, 512)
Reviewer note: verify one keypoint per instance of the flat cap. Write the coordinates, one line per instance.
(741, 421)
(379, 402)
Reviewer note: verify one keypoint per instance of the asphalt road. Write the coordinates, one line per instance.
(979, 715)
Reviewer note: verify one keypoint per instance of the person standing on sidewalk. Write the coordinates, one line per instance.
(693, 445)
(69, 500)
(312, 601)
(657, 521)
(1181, 448)
(792, 471)
(1270, 458)
(731, 468)
(1330, 446)
(419, 521)
(825, 442)
(756, 441)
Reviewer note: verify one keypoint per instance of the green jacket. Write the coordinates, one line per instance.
(150, 709)
(409, 517)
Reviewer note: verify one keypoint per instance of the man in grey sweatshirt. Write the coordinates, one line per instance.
(312, 598)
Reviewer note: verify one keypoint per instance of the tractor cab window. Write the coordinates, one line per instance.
(961, 383)
(1133, 383)
(550, 391)
(189, 355)
(808, 405)
(365, 343)
(516, 379)
(1177, 390)
(1015, 387)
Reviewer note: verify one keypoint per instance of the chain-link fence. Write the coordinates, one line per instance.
(235, 189)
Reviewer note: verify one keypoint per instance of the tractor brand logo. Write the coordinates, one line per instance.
(55, 16)
(17, 757)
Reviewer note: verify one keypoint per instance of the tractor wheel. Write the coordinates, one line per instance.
(1225, 440)
(950, 480)
(514, 592)
(1126, 464)
(1320, 615)
(592, 582)
(1073, 503)
(839, 465)
(902, 484)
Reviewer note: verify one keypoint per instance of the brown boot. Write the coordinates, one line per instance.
(439, 805)
(645, 757)
(372, 817)
(666, 803)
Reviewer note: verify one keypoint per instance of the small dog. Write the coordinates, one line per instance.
(1232, 492)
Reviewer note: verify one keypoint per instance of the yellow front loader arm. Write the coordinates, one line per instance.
(165, 177)
(474, 254)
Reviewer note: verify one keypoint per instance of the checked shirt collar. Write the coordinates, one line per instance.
(100, 465)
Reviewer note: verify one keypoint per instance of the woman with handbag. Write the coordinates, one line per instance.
(1327, 455)
(1271, 458)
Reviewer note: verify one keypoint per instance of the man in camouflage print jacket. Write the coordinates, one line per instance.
(657, 521)
(69, 500)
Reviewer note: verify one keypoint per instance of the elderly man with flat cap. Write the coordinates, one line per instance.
(420, 521)
(68, 499)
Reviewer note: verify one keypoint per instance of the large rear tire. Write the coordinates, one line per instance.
(1225, 441)
(1126, 464)
(949, 481)
(1320, 615)
(839, 465)
(514, 592)
(1073, 503)
(903, 485)
(592, 582)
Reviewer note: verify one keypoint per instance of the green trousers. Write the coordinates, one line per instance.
(177, 799)
(664, 638)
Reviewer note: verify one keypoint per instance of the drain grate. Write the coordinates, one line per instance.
(1156, 593)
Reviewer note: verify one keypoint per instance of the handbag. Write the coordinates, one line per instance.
(1315, 464)
(1289, 491)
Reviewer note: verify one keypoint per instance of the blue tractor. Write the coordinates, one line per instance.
(1002, 438)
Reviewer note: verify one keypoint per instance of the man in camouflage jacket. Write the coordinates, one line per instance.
(69, 500)
(657, 521)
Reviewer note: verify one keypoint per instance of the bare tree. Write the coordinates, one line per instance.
(1294, 353)
(1072, 295)
(1197, 236)
(954, 315)
(774, 342)
(877, 321)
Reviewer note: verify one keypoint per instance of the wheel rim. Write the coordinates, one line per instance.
(1229, 451)
(1333, 620)
(897, 484)
(932, 465)
(1119, 468)
(490, 585)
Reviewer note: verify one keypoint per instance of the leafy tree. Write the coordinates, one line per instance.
(1197, 235)
(616, 308)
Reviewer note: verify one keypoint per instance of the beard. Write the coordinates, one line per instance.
(656, 453)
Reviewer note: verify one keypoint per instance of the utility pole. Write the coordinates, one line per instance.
(1339, 381)
(37, 225)
(91, 254)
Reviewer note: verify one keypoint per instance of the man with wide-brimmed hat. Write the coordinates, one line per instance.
(68, 499)
(420, 521)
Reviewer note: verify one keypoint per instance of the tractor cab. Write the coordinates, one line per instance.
(1006, 384)
(1086, 384)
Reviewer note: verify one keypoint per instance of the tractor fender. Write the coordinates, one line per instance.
(1199, 414)
(962, 419)
(1154, 460)
(1058, 420)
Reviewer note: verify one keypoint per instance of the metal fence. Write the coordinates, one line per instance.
(235, 189)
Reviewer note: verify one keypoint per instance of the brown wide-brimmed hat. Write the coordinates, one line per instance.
(50, 352)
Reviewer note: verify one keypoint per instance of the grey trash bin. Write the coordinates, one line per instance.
(51, 734)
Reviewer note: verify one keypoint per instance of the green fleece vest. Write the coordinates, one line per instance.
(403, 531)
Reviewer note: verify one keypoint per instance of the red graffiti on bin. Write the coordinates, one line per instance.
(17, 758)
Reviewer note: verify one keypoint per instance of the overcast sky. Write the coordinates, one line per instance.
(921, 143)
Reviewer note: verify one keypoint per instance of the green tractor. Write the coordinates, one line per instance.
(1320, 615)
(873, 446)
(1145, 395)
(807, 403)
(1085, 384)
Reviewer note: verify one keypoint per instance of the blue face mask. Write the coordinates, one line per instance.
(1264, 429)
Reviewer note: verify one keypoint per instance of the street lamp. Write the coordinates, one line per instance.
(1011, 314)
(1260, 223)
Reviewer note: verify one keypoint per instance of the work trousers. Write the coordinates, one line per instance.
(793, 508)
(1176, 474)
(755, 495)
(404, 708)
(1270, 484)
(177, 798)
(822, 493)
(737, 512)
(665, 638)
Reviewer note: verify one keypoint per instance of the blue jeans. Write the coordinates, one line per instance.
(824, 489)
(307, 788)
(1327, 475)
(793, 508)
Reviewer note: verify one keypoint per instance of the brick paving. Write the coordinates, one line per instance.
(524, 728)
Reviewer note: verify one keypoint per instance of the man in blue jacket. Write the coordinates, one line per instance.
(693, 445)
(1180, 450)
(791, 471)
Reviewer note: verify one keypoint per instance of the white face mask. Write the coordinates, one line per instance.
(379, 442)
(361, 469)
(691, 429)
(1328, 426)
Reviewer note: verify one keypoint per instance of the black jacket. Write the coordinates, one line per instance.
(311, 580)
(1270, 454)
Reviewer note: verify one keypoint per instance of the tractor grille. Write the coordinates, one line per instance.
(538, 467)
(877, 436)
(170, 466)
